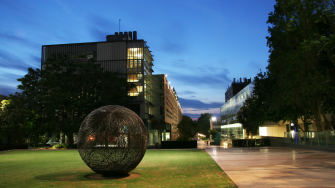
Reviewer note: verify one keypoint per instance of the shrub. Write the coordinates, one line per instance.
(58, 146)
(65, 146)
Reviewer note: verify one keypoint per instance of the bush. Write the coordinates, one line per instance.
(65, 146)
(58, 146)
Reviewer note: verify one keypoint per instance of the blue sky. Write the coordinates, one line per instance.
(200, 44)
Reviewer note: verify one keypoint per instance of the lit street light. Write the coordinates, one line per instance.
(211, 124)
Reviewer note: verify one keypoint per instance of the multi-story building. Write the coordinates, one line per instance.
(121, 52)
(276, 132)
(231, 128)
(167, 111)
(236, 87)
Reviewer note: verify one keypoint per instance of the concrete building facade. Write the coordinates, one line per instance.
(121, 52)
(167, 111)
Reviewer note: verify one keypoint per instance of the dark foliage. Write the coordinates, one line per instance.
(187, 128)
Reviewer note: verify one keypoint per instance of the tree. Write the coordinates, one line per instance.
(187, 128)
(23, 111)
(302, 57)
(82, 86)
(249, 116)
(204, 121)
(268, 100)
(60, 96)
(213, 132)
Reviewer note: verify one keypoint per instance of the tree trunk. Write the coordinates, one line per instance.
(328, 124)
(317, 115)
(69, 136)
(304, 119)
(63, 138)
(37, 139)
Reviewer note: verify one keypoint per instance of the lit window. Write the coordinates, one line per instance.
(135, 53)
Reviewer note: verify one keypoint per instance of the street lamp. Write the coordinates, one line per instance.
(211, 124)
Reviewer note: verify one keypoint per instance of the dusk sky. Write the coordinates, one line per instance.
(200, 44)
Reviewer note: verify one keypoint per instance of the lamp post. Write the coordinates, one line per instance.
(211, 124)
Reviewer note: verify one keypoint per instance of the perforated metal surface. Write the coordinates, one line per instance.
(112, 140)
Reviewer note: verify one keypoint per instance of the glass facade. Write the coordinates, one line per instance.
(231, 128)
(153, 137)
(229, 109)
(232, 131)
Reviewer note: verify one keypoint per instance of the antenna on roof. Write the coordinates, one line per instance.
(119, 24)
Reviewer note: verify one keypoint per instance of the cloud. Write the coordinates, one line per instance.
(64, 7)
(182, 63)
(6, 89)
(10, 61)
(25, 13)
(10, 76)
(254, 65)
(100, 27)
(195, 113)
(172, 47)
(215, 79)
(188, 92)
(194, 108)
(190, 73)
(20, 40)
(191, 103)
(200, 111)
(37, 60)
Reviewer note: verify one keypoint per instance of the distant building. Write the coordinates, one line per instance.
(236, 87)
(166, 112)
(231, 128)
(124, 53)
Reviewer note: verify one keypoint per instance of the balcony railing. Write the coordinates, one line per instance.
(321, 139)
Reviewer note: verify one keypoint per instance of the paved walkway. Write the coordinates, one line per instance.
(275, 166)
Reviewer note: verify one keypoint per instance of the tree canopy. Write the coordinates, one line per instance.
(65, 91)
(213, 132)
(302, 56)
(204, 122)
(187, 128)
(300, 77)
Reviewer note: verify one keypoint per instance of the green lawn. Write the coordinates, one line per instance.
(65, 168)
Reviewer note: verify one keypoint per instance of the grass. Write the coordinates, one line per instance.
(65, 168)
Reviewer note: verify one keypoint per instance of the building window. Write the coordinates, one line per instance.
(135, 53)
(136, 91)
(134, 77)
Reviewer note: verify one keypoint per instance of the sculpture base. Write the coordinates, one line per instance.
(96, 176)
(114, 174)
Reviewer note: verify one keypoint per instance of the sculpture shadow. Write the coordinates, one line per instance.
(65, 176)
(83, 176)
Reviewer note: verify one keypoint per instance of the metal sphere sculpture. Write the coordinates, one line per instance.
(112, 140)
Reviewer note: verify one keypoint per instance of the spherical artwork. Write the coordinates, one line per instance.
(112, 140)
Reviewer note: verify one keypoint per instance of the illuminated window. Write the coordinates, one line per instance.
(135, 53)
(134, 77)
(135, 91)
